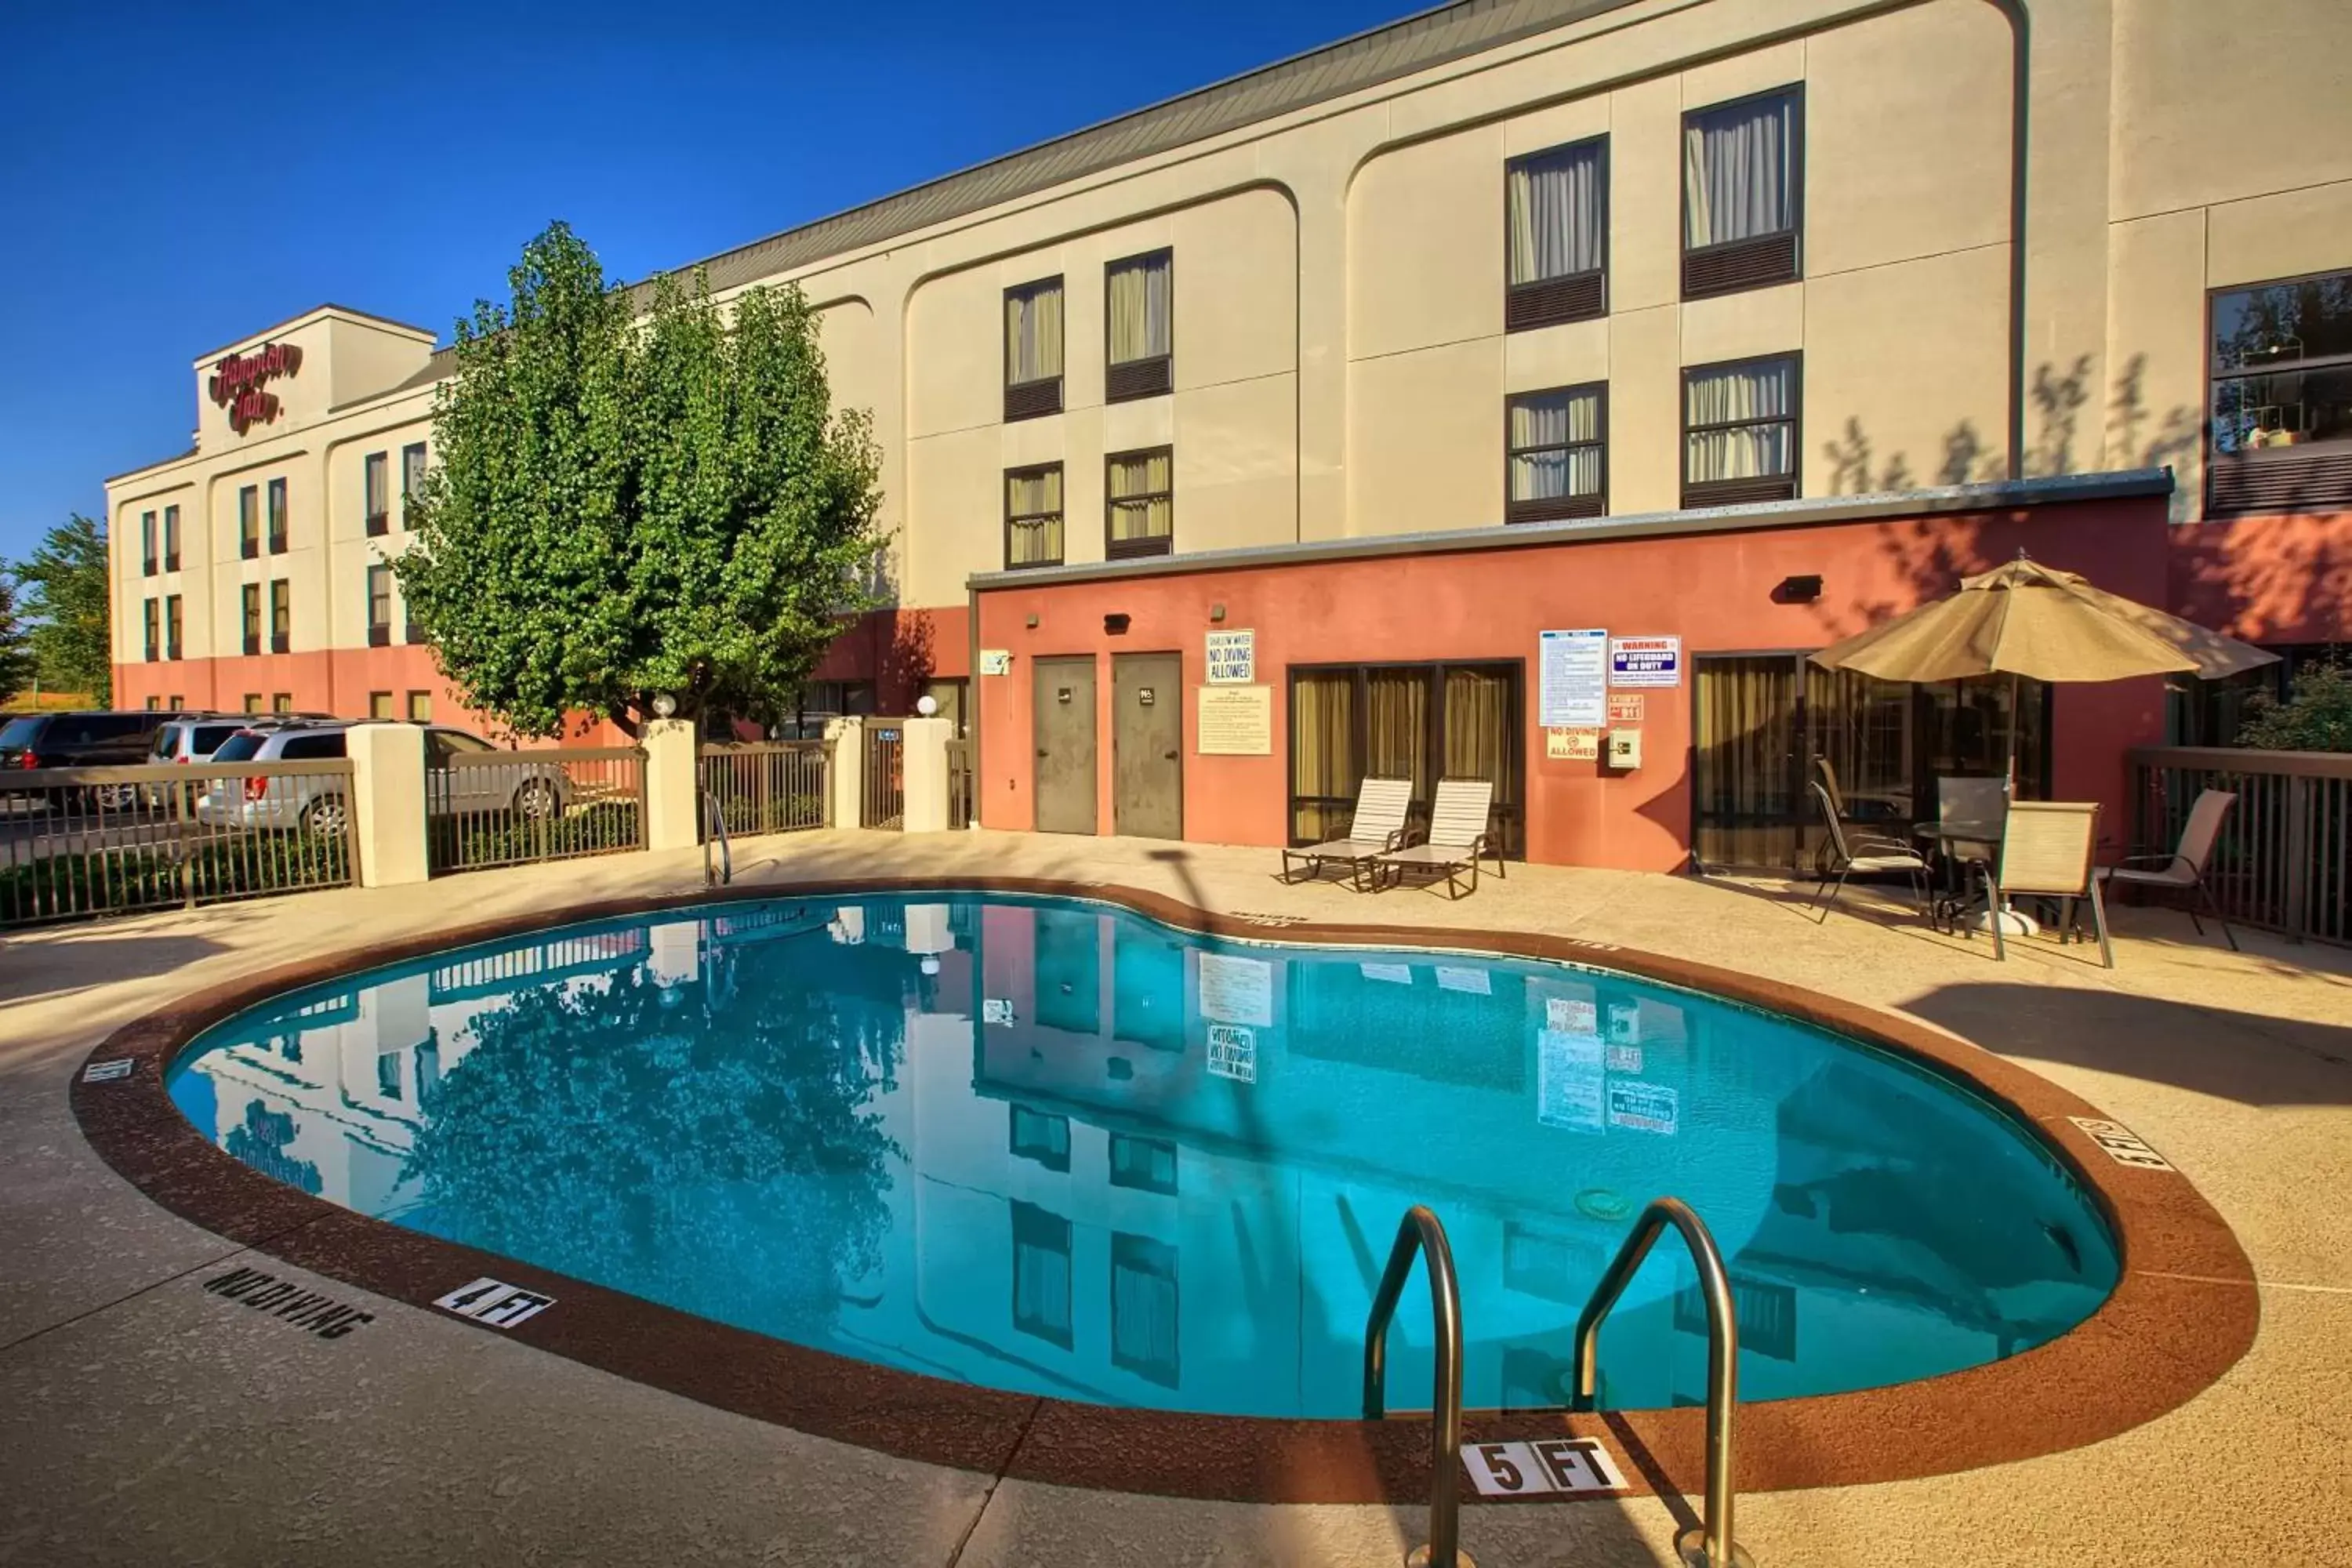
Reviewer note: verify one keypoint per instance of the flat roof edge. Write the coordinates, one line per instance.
(151, 468)
(427, 334)
(2123, 484)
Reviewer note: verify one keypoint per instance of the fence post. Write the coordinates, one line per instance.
(923, 773)
(388, 816)
(671, 785)
(848, 781)
(2296, 917)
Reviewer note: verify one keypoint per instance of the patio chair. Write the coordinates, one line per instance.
(1458, 838)
(1377, 828)
(2183, 869)
(2047, 848)
(1866, 854)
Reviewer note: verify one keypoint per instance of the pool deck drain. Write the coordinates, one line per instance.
(143, 1420)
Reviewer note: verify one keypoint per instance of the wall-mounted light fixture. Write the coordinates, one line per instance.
(1798, 590)
(1115, 625)
(1216, 613)
(1032, 623)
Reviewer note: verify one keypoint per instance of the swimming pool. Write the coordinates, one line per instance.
(1054, 1147)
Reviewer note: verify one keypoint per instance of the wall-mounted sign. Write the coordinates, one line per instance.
(1625, 706)
(1574, 679)
(236, 383)
(1234, 722)
(1233, 658)
(1572, 745)
(996, 662)
(1645, 661)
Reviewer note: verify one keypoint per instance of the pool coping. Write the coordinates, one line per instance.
(2184, 1309)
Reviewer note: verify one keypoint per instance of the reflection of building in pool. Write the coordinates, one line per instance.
(326, 1095)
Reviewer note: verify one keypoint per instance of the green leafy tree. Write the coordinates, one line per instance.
(17, 661)
(65, 596)
(623, 507)
(2316, 717)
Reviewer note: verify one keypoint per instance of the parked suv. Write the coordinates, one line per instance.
(88, 740)
(316, 805)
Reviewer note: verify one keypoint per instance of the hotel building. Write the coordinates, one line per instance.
(1729, 325)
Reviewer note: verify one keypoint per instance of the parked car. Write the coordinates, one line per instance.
(193, 740)
(116, 739)
(316, 803)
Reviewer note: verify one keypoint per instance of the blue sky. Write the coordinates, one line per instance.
(176, 177)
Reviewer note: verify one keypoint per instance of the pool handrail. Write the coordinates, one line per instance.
(714, 817)
(1715, 1547)
(1420, 1232)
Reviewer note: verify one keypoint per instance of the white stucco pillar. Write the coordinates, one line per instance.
(923, 770)
(388, 803)
(847, 783)
(673, 791)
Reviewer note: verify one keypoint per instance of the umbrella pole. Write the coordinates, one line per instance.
(2016, 720)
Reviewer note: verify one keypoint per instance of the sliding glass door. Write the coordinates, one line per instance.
(1419, 721)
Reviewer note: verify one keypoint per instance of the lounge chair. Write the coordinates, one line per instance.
(2046, 848)
(1457, 837)
(1377, 827)
(2183, 870)
(1865, 854)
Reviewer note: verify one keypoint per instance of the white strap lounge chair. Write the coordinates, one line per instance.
(1457, 839)
(1377, 827)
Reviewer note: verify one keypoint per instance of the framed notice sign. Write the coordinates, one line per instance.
(1573, 680)
(1235, 721)
(1233, 658)
(1645, 661)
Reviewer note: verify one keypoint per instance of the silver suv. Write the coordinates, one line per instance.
(316, 803)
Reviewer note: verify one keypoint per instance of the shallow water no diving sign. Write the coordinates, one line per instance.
(1546, 1467)
(494, 1302)
(2122, 1144)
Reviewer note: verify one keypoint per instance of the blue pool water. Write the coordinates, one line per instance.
(1051, 1146)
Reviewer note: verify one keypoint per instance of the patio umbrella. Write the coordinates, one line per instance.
(2025, 619)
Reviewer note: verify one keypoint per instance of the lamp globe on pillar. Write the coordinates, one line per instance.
(927, 706)
(664, 705)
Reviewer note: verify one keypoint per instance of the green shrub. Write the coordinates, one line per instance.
(495, 838)
(2316, 717)
(231, 866)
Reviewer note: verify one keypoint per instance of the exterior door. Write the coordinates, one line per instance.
(1749, 768)
(1147, 745)
(1064, 730)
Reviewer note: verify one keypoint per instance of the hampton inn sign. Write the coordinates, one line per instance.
(237, 384)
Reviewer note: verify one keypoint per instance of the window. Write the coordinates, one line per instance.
(173, 625)
(1556, 234)
(1143, 1164)
(310, 748)
(175, 704)
(1139, 301)
(2281, 396)
(1040, 1137)
(387, 1074)
(154, 705)
(950, 693)
(154, 623)
(147, 544)
(379, 704)
(252, 596)
(1739, 431)
(1033, 516)
(281, 616)
(412, 477)
(278, 517)
(1032, 350)
(376, 481)
(1418, 721)
(1139, 495)
(1041, 1274)
(1144, 1316)
(1557, 454)
(282, 703)
(248, 522)
(420, 707)
(170, 539)
(379, 591)
(253, 701)
(412, 629)
(1743, 175)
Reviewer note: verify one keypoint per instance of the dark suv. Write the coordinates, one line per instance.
(82, 741)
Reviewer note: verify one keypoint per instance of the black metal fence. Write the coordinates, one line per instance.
(769, 786)
(503, 808)
(960, 798)
(2283, 860)
(76, 842)
(885, 784)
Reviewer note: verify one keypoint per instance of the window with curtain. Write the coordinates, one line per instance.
(1742, 174)
(147, 544)
(277, 542)
(1418, 721)
(1325, 771)
(281, 616)
(1144, 1316)
(170, 539)
(1139, 299)
(252, 609)
(2281, 384)
(1033, 349)
(1140, 492)
(1556, 235)
(375, 472)
(248, 522)
(155, 614)
(1041, 1274)
(379, 588)
(1739, 431)
(173, 622)
(1556, 454)
(1033, 516)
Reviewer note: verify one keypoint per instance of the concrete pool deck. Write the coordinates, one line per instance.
(144, 1420)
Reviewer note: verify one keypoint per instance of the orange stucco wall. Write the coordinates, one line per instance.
(2266, 579)
(1713, 590)
(899, 649)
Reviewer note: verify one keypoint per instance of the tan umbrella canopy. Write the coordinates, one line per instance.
(2027, 619)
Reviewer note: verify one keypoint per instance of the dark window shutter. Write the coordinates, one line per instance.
(1032, 398)
(1740, 264)
(1139, 378)
(1575, 298)
(2281, 479)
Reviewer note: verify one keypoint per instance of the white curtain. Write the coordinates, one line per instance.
(1139, 310)
(1556, 225)
(1738, 171)
(1033, 504)
(1550, 456)
(1140, 504)
(1033, 335)
(1763, 393)
(374, 470)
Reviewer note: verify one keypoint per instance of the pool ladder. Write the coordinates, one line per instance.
(1709, 1544)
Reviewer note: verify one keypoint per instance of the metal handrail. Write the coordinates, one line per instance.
(1420, 1231)
(715, 817)
(1715, 1547)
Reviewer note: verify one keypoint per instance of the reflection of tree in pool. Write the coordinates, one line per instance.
(710, 1145)
(260, 1142)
